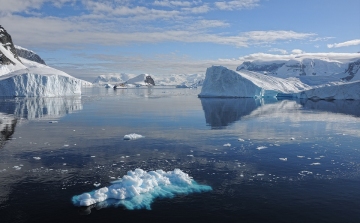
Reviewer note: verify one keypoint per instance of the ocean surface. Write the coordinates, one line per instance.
(266, 160)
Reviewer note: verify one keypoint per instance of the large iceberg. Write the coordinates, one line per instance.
(223, 82)
(20, 77)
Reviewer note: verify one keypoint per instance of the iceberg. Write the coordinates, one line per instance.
(223, 82)
(20, 77)
(139, 188)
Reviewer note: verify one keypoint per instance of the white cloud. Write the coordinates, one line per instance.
(278, 50)
(297, 51)
(344, 44)
(168, 3)
(54, 32)
(237, 4)
(330, 56)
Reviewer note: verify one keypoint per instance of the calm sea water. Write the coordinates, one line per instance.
(266, 160)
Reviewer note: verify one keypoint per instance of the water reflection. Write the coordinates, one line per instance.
(38, 108)
(347, 107)
(222, 112)
(7, 128)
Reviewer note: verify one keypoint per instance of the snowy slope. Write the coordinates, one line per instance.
(301, 65)
(189, 80)
(137, 80)
(113, 78)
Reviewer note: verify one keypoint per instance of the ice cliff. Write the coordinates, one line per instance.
(222, 82)
(21, 77)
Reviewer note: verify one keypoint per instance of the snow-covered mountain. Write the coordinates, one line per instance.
(113, 78)
(28, 54)
(27, 78)
(306, 65)
(186, 80)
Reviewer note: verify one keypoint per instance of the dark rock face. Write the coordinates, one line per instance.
(352, 69)
(30, 55)
(149, 80)
(270, 68)
(6, 41)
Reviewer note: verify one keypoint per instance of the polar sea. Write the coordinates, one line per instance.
(265, 160)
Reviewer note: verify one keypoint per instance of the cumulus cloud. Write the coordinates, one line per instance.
(344, 44)
(281, 51)
(237, 4)
(297, 51)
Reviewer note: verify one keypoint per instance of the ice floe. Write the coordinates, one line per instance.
(132, 136)
(139, 188)
(261, 147)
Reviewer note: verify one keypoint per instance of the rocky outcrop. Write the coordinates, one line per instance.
(149, 80)
(28, 54)
(7, 43)
(352, 69)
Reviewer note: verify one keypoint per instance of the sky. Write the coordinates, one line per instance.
(87, 38)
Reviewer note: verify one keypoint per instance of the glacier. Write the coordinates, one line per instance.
(223, 82)
(139, 188)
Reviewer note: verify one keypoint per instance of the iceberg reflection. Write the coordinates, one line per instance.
(221, 112)
(347, 107)
(7, 128)
(39, 107)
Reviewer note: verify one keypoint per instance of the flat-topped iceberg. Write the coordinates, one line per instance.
(38, 80)
(223, 82)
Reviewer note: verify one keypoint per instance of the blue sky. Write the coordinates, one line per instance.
(87, 38)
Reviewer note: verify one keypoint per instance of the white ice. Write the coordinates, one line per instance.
(139, 188)
(132, 136)
(223, 82)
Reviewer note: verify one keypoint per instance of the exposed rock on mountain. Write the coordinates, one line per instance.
(29, 54)
(352, 70)
(7, 43)
(149, 80)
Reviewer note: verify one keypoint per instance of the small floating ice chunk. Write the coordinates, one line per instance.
(139, 188)
(227, 144)
(283, 159)
(36, 158)
(17, 167)
(97, 184)
(261, 147)
(292, 138)
(132, 136)
(300, 157)
(241, 140)
(315, 164)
